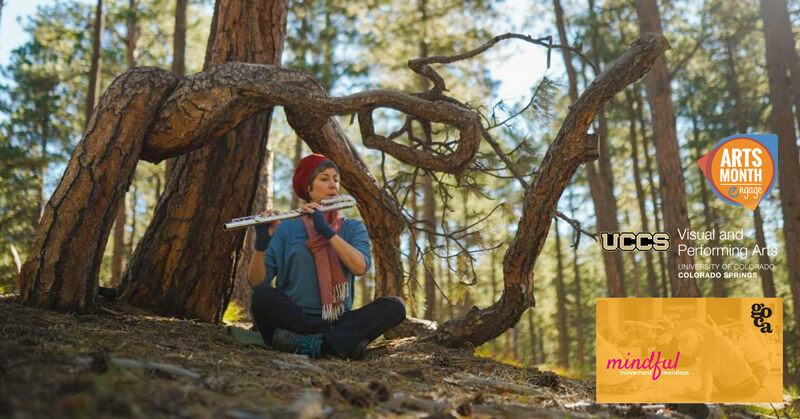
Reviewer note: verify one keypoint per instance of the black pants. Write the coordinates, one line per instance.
(272, 309)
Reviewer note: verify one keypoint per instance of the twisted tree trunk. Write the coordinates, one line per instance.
(184, 265)
(571, 147)
(61, 271)
(131, 119)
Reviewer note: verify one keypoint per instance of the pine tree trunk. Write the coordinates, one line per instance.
(429, 213)
(178, 52)
(365, 294)
(184, 265)
(637, 290)
(179, 39)
(578, 300)
(783, 26)
(779, 45)
(673, 196)
(652, 285)
(561, 305)
(242, 294)
(607, 211)
(298, 155)
(532, 341)
(601, 186)
(742, 124)
(540, 344)
(767, 283)
(62, 267)
(571, 147)
(131, 245)
(710, 219)
(95, 69)
(118, 254)
(429, 205)
(119, 245)
(412, 252)
(447, 312)
(648, 168)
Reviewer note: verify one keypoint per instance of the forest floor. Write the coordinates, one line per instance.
(122, 363)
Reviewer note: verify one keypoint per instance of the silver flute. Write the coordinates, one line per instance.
(330, 204)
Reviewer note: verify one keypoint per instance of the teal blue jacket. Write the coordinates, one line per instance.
(288, 259)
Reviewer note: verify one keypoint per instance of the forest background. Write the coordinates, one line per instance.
(457, 233)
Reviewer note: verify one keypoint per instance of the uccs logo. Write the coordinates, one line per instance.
(629, 242)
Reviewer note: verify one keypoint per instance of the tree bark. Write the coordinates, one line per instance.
(185, 263)
(561, 305)
(742, 124)
(298, 155)
(134, 196)
(63, 264)
(778, 46)
(579, 310)
(637, 290)
(118, 254)
(607, 211)
(119, 245)
(412, 252)
(601, 186)
(532, 347)
(571, 147)
(652, 285)
(179, 39)
(648, 168)
(178, 52)
(95, 69)
(429, 212)
(673, 196)
(710, 218)
(767, 282)
(242, 294)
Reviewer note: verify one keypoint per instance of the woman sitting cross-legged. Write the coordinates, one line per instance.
(315, 258)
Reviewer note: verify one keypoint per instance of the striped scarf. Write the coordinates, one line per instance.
(333, 288)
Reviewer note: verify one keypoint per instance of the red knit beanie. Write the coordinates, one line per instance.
(304, 172)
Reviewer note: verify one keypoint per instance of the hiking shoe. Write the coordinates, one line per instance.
(286, 341)
(357, 353)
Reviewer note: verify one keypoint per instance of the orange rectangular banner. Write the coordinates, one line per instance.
(689, 350)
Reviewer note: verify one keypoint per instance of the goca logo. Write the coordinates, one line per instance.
(741, 169)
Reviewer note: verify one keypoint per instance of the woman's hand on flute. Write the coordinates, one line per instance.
(309, 208)
(265, 231)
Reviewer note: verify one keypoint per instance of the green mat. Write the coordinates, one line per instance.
(246, 337)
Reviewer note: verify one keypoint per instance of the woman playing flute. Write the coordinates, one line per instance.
(314, 259)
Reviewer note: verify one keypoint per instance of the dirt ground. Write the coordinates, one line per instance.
(122, 363)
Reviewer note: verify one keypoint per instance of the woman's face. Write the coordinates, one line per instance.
(325, 185)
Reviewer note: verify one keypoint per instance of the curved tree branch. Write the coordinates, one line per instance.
(571, 147)
(227, 94)
(422, 66)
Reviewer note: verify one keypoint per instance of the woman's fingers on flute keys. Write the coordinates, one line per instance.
(309, 207)
(268, 212)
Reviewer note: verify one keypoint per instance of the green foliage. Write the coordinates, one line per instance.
(233, 313)
(42, 106)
